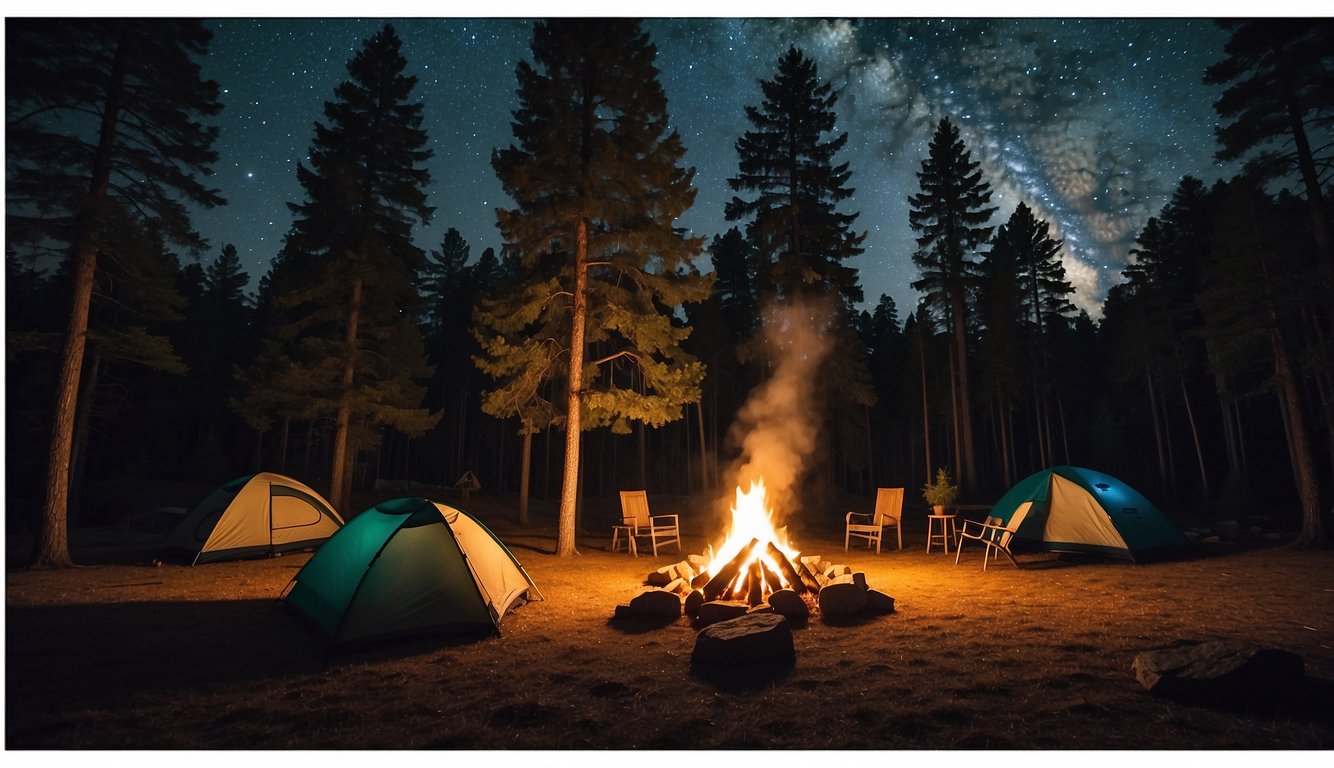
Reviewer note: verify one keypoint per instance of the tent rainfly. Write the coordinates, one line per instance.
(252, 516)
(409, 566)
(1072, 509)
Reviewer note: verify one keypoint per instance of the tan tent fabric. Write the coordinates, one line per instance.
(1083, 519)
(294, 519)
(500, 580)
(234, 531)
(269, 513)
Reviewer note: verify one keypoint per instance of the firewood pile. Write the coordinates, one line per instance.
(795, 589)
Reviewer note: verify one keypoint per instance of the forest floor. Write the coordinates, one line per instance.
(119, 653)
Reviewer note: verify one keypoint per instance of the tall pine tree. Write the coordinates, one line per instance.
(803, 241)
(1250, 298)
(352, 264)
(80, 186)
(1277, 74)
(450, 291)
(950, 216)
(1027, 294)
(597, 183)
(787, 161)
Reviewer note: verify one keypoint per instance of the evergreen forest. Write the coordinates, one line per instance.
(594, 346)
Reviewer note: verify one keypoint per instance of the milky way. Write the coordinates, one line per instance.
(1091, 122)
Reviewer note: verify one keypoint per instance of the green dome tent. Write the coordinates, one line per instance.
(409, 566)
(251, 516)
(1072, 509)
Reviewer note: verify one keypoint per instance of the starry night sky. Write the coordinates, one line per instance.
(1091, 122)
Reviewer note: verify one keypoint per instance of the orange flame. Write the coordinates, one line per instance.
(752, 518)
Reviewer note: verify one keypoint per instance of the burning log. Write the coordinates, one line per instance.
(755, 585)
(785, 565)
(693, 602)
(812, 580)
(728, 573)
(772, 581)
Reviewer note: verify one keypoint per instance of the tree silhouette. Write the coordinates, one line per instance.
(950, 216)
(1024, 270)
(88, 188)
(789, 165)
(1277, 74)
(351, 263)
(449, 293)
(1248, 304)
(597, 184)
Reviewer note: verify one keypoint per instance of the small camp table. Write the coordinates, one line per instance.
(948, 530)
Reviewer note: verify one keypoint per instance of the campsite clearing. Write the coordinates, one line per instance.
(125, 655)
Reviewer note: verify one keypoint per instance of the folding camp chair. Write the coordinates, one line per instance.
(888, 514)
(991, 535)
(637, 523)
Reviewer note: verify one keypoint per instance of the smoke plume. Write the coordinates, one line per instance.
(779, 426)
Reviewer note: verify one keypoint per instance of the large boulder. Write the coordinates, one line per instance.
(841, 600)
(755, 638)
(878, 602)
(654, 604)
(788, 603)
(1225, 674)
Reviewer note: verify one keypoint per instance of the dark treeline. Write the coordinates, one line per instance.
(361, 361)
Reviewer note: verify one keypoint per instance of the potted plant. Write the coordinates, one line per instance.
(941, 493)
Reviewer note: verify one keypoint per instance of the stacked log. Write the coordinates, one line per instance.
(835, 590)
(722, 580)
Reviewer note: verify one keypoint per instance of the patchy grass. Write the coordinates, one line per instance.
(126, 655)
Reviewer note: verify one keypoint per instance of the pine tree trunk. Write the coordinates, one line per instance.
(82, 421)
(1311, 179)
(565, 544)
(461, 447)
(926, 417)
(1241, 438)
(1044, 426)
(956, 443)
(689, 460)
(546, 467)
(1171, 450)
(524, 475)
(969, 468)
(1194, 433)
(1065, 429)
(1229, 432)
(282, 457)
(703, 445)
(343, 424)
(1037, 427)
(1303, 466)
(53, 535)
(643, 456)
(870, 450)
(1157, 428)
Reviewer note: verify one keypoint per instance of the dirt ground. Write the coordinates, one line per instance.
(121, 654)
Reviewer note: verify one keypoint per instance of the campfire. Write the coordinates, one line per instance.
(755, 568)
(756, 559)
